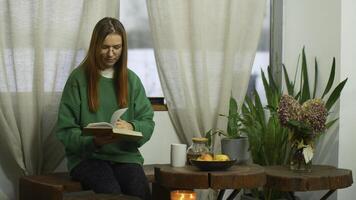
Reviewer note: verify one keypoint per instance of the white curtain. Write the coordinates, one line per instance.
(41, 41)
(204, 51)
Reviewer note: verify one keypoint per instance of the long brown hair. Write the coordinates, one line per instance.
(93, 64)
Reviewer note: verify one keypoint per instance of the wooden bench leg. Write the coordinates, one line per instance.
(28, 190)
(159, 192)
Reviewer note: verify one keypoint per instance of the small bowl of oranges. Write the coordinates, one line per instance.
(209, 162)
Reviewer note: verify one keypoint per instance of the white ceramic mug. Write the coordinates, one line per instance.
(178, 155)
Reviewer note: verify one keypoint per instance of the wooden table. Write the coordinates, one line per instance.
(321, 177)
(189, 177)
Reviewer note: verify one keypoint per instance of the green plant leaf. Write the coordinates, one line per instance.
(233, 106)
(290, 85)
(209, 135)
(247, 104)
(267, 88)
(296, 71)
(271, 81)
(335, 95)
(234, 120)
(275, 90)
(259, 109)
(315, 78)
(272, 92)
(305, 95)
(301, 127)
(244, 109)
(297, 96)
(331, 79)
(329, 124)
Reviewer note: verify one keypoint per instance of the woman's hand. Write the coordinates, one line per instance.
(124, 125)
(100, 140)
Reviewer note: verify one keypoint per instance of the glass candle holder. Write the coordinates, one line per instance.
(183, 195)
(199, 146)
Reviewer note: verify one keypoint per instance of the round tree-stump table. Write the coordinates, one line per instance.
(321, 177)
(189, 177)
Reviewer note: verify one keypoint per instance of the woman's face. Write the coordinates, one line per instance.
(110, 51)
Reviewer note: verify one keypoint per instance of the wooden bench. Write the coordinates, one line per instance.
(53, 186)
(90, 195)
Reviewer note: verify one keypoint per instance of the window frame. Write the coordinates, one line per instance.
(276, 40)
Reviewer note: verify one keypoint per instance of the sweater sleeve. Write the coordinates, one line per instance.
(68, 126)
(143, 113)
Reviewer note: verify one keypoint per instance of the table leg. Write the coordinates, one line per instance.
(291, 195)
(233, 194)
(327, 194)
(221, 194)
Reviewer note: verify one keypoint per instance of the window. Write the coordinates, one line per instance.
(262, 57)
(140, 54)
(141, 57)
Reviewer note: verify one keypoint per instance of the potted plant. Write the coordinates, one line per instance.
(234, 144)
(262, 123)
(305, 114)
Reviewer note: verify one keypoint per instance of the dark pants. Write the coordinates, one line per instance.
(108, 177)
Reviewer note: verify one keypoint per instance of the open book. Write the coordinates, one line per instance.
(99, 128)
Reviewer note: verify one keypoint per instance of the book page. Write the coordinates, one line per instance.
(128, 135)
(101, 128)
(116, 115)
(127, 132)
(100, 125)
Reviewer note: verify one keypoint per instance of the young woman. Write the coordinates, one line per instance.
(94, 90)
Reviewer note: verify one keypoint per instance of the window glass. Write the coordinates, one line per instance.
(140, 54)
(262, 57)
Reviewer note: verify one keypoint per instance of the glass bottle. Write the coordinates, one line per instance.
(199, 146)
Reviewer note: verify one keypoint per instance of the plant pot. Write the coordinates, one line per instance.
(236, 149)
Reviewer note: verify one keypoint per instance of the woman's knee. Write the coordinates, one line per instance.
(96, 175)
(133, 180)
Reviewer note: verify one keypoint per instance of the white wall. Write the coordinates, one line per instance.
(326, 29)
(347, 136)
(157, 150)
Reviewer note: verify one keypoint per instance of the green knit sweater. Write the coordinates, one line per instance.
(74, 114)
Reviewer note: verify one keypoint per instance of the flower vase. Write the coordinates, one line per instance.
(298, 162)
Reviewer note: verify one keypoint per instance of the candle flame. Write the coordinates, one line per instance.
(183, 195)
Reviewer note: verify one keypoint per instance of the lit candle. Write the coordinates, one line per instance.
(183, 195)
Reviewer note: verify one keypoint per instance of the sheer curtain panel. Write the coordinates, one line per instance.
(41, 41)
(204, 51)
